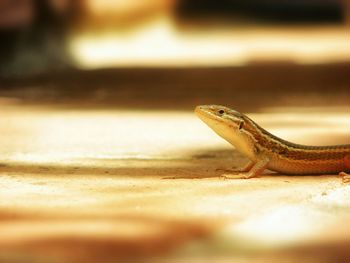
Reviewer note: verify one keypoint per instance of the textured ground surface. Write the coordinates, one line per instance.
(109, 185)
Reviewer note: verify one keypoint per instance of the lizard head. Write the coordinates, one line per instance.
(218, 117)
(229, 124)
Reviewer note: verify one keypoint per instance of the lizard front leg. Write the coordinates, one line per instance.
(255, 169)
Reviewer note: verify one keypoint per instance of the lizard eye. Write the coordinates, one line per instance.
(221, 111)
(241, 125)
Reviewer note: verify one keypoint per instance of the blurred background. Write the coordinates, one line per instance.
(96, 109)
(174, 53)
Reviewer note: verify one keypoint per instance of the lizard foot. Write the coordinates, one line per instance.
(238, 176)
(250, 171)
(243, 169)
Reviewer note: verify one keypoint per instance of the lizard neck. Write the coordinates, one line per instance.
(242, 140)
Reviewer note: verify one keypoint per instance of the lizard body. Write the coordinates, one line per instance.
(267, 151)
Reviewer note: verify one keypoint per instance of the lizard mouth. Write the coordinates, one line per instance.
(205, 114)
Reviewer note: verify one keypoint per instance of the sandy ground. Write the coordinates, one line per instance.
(143, 186)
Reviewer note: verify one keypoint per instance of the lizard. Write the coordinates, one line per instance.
(267, 151)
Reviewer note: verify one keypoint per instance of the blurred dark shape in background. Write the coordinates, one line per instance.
(268, 11)
(32, 34)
